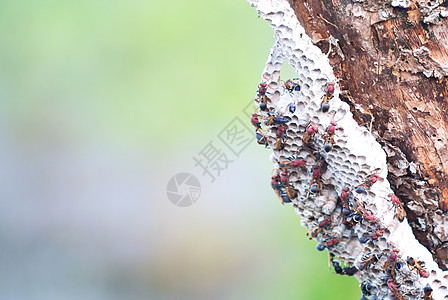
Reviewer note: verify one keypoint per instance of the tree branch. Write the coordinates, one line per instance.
(388, 72)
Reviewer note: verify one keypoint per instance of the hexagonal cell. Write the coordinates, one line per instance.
(437, 283)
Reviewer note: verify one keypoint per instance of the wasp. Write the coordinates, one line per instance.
(285, 181)
(275, 120)
(262, 99)
(364, 212)
(401, 213)
(371, 235)
(277, 186)
(350, 270)
(255, 121)
(261, 137)
(315, 183)
(325, 106)
(346, 270)
(313, 232)
(391, 263)
(345, 195)
(369, 260)
(332, 242)
(427, 290)
(329, 135)
(394, 289)
(351, 219)
(336, 265)
(417, 266)
(366, 184)
(377, 233)
(280, 139)
(292, 85)
(366, 288)
(292, 163)
(308, 137)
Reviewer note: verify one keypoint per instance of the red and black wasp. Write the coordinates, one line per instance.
(346, 270)
(288, 188)
(329, 243)
(262, 91)
(292, 85)
(366, 288)
(371, 235)
(259, 134)
(427, 290)
(271, 119)
(352, 214)
(417, 266)
(351, 219)
(391, 263)
(314, 231)
(293, 163)
(262, 99)
(280, 137)
(332, 242)
(308, 138)
(325, 106)
(394, 289)
(329, 135)
(369, 260)
(366, 214)
(366, 184)
(277, 186)
(261, 137)
(345, 200)
(254, 119)
(316, 181)
(401, 213)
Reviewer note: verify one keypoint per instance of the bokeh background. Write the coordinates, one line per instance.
(101, 103)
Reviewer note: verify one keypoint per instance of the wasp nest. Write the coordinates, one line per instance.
(333, 171)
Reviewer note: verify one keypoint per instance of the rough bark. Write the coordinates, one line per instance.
(392, 63)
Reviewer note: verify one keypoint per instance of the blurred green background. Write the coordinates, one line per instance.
(102, 102)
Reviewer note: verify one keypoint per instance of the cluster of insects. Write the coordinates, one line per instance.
(301, 149)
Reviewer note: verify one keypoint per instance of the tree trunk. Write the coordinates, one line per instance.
(390, 62)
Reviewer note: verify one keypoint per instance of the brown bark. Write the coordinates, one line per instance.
(383, 58)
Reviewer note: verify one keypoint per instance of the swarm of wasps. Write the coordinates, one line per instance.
(352, 210)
